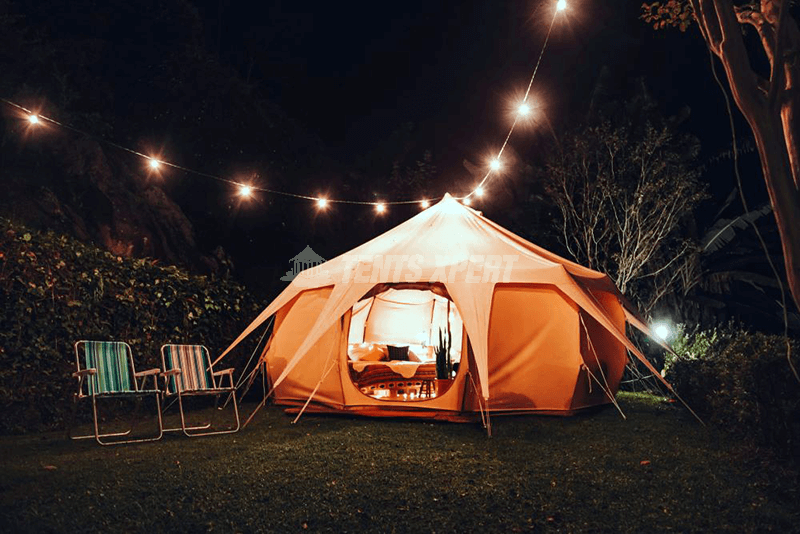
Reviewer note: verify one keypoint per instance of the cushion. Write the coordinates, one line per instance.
(413, 357)
(376, 354)
(398, 354)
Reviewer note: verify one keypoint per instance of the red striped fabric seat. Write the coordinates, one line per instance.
(195, 366)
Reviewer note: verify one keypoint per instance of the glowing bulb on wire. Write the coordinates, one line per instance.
(495, 164)
(245, 191)
(478, 191)
(322, 203)
(33, 119)
(380, 207)
(524, 109)
(425, 204)
(467, 201)
(561, 5)
(154, 163)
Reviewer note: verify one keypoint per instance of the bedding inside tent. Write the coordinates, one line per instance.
(399, 342)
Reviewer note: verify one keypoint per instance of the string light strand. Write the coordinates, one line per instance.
(322, 202)
(560, 6)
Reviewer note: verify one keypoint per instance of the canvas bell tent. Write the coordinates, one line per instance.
(447, 316)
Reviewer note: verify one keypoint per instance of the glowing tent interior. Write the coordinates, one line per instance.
(448, 316)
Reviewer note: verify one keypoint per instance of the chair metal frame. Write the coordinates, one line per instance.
(92, 392)
(171, 375)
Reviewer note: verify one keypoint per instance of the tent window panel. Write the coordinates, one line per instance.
(397, 345)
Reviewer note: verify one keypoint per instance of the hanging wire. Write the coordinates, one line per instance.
(516, 118)
(321, 201)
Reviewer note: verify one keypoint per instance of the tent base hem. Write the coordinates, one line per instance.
(433, 414)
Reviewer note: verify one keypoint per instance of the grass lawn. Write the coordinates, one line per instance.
(656, 471)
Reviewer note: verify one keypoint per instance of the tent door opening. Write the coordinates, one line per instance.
(404, 344)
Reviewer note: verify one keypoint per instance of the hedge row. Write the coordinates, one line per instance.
(742, 382)
(55, 290)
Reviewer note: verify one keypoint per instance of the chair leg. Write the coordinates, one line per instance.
(93, 435)
(98, 435)
(188, 430)
(183, 426)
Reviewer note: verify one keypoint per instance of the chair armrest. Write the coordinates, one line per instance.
(149, 372)
(171, 372)
(84, 372)
(223, 372)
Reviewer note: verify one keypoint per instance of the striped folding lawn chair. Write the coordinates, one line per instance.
(105, 370)
(188, 372)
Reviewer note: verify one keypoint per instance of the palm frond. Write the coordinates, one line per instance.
(724, 230)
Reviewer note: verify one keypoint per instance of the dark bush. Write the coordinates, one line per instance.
(742, 382)
(55, 290)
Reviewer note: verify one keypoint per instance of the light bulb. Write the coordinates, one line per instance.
(662, 331)
(561, 5)
(478, 191)
(380, 207)
(245, 190)
(424, 204)
(524, 109)
(495, 164)
(322, 203)
(33, 119)
(154, 163)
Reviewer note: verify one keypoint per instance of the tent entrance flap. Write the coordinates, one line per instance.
(404, 345)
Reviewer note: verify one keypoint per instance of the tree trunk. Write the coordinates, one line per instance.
(771, 113)
(783, 194)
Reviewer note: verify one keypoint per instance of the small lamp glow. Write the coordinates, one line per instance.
(154, 163)
(524, 109)
(478, 191)
(380, 207)
(425, 204)
(245, 191)
(561, 5)
(662, 331)
(495, 164)
(33, 119)
(467, 201)
(322, 203)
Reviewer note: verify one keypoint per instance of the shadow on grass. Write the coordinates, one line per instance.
(656, 471)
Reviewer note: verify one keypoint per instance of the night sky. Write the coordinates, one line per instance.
(352, 75)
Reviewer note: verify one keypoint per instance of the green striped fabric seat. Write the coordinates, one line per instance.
(112, 361)
(195, 366)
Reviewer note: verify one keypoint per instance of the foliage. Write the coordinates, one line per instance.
(672, 13)
(725, 276)
(740, 381)
(697, 345)
(623, 184)
(55, 290)
(444, 364)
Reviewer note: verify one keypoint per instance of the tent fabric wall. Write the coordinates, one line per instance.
(291, 325)
(535, 364)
